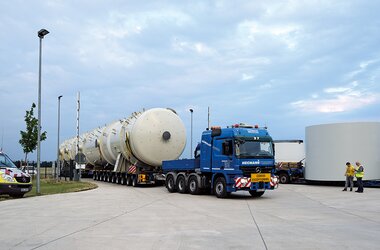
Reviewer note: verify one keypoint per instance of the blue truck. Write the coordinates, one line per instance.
(240, 157)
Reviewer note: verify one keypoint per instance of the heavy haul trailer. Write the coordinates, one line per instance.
(227, 160)
(131, 151)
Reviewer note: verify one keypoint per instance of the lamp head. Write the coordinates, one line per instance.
(42, 33)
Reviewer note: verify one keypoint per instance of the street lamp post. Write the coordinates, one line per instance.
(41, 35)
(191, 134)
(58, 171)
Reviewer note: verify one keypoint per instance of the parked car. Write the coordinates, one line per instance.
(32, 170)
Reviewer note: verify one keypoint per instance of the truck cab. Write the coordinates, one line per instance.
(239, 157)
(13, 181)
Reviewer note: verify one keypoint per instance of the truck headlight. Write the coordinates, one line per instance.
(8, 178)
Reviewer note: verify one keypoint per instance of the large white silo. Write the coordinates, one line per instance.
(330, 146)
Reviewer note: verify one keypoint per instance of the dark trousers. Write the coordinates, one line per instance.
(360, 184)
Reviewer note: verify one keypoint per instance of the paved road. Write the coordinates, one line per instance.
(120, 217)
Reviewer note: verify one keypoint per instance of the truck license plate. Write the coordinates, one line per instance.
(24, 189)
(260, 177)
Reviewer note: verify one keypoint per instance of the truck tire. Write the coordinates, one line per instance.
(284, 178)
(255, 193)
(134, 181)
(220, 188)
(193, 185)
(181, 184)
(122, 180)
(169, 183)
(129, 180)
(94, 176)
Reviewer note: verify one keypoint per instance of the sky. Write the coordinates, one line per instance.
(281, 64)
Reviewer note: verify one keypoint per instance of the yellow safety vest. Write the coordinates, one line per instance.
(359, 174)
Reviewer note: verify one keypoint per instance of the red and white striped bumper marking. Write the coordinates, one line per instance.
(274, 180)
(132, 169)
(242, 182)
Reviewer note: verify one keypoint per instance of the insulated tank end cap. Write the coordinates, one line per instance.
(166, 135)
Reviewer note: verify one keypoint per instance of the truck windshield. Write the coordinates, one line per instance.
(258, 149)
(6, 162)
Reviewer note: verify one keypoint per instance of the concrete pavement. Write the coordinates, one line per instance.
(119, 217)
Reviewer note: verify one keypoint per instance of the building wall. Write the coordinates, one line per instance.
(330, 146)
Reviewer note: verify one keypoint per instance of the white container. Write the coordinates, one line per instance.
(330, 146)
(91, 149)
(289, 151)
(150, 137)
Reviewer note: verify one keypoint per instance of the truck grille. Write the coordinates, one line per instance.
(22, 179)
(247, 171)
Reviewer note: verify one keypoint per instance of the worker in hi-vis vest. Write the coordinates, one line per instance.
(359, 174)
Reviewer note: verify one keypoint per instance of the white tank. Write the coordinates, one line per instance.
(330, 146)
(91, 149)
(65, 150)
(150, 137)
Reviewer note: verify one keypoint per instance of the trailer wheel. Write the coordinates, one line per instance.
(194, 185)
(129, 180)
(134, 181)
(94, 176)
(181, 184)
(220, 188)
(169, 183)
(284, 178)
(122, 179)
(255, 193)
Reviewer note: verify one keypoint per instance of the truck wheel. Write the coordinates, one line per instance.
(220, 188)
(134, 181)
(129, 180)
(122, 179)
(194, 185)
(255, 193)
(169, 183)
(284, 178)
(181, 184)
(94, 176)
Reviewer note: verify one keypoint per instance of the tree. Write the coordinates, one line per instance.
(29, 137)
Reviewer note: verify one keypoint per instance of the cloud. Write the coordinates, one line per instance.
(338, 99)
(246, 77)
(251, 31)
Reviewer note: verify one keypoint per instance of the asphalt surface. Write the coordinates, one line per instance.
(120, 217)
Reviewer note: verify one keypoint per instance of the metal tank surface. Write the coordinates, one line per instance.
(330, 146)
(152, 136)
(90, 147)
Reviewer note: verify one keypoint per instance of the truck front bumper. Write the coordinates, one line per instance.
(245, 183)
(15, 188)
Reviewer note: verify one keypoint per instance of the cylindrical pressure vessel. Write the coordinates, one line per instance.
(149, 137)
(91, 147)
(330, 146)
